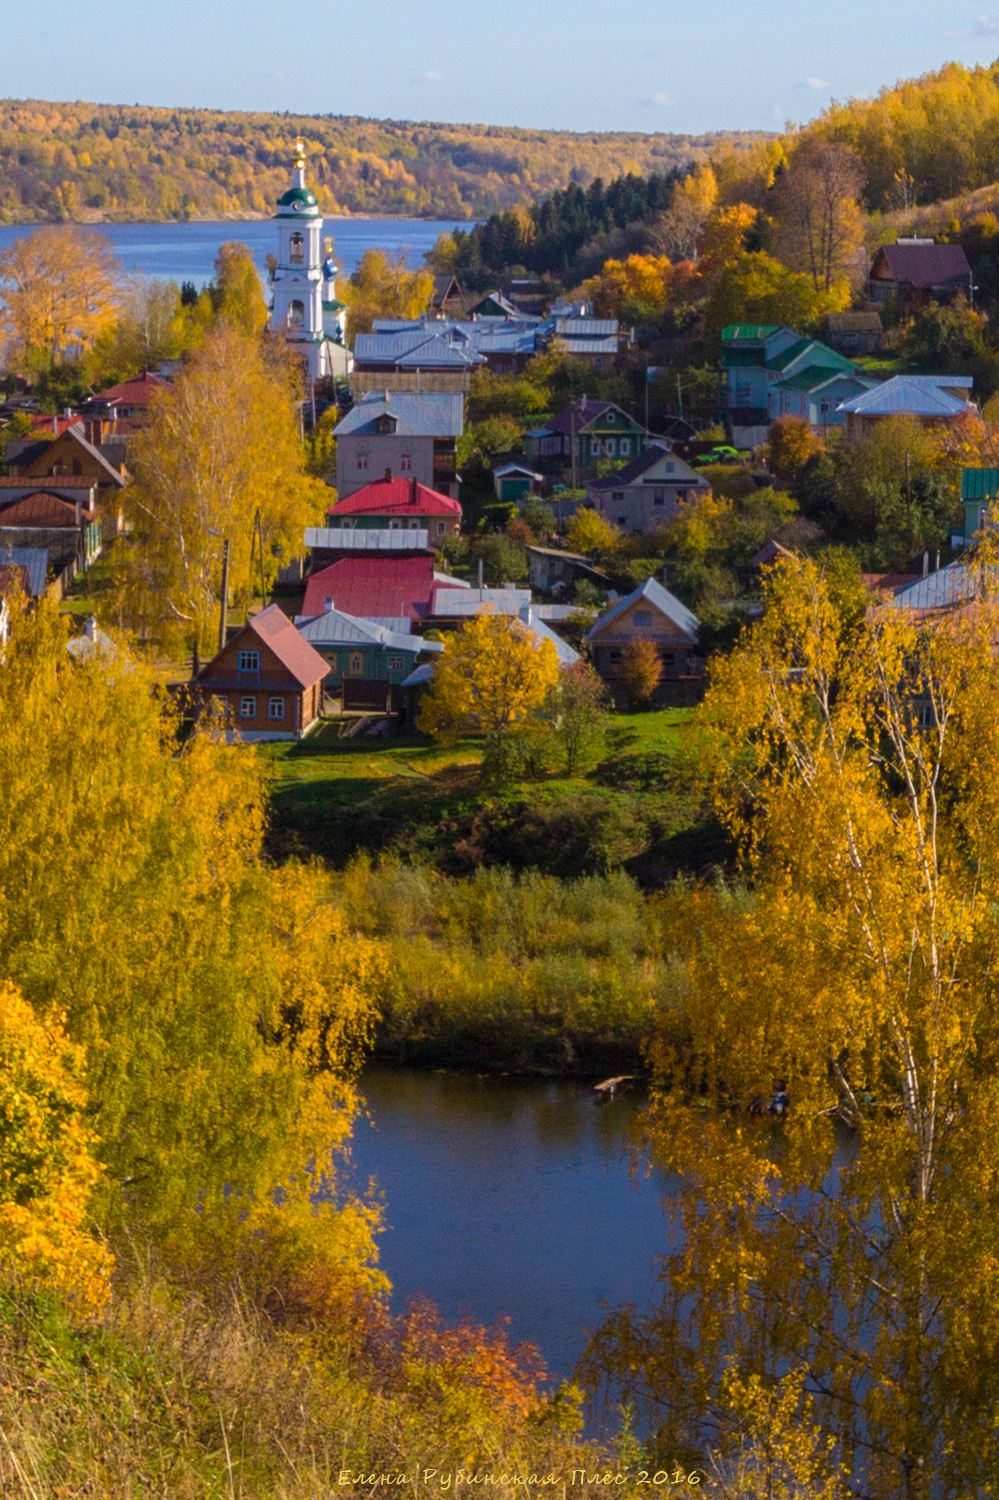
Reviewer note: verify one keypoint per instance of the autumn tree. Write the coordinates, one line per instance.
(850, 985)
(221, 444)
(381, 287)
(678, 230)
(221, 1008)
(492, 678)
(60, 289)
(790, 444)
(145, 332)
(47, 1166)
(577, 711)
(590, 534)
(641, 670)
(818, 226)
(757, 288)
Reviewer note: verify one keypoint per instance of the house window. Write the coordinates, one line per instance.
(414, 524)
(395, 526)
(643, 618)
(395, 663)
(249, 661)
(658, 497)
(622, 520)
(362, 460)
(347, 525)
(925, 716)
(610, 418)
(624, 447)
(297, 250)
(406, 463)
(614, 658)
(617, 497)
(356, 667)
(247, 708)
(669, 660)
(441, 528)
(598, 362)
(610, 447)
(77, 466)
(596, 447)
(681, 497)
(275, 708)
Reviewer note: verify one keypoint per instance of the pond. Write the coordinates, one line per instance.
(511, 1196)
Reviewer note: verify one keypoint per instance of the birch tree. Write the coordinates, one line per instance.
(853, 983)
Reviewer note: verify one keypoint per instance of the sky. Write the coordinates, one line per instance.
(649, 65)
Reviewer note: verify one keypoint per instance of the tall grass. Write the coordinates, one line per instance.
(527, 972)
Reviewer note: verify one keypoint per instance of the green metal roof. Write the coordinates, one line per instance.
(979, 484)
(822, 354)
(756, 331)
(299, 201)
(815, 377)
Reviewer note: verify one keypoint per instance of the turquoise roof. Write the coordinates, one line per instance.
(755, 331)
(820, 354)
(979, 484)
(817, 376)
(298, 201)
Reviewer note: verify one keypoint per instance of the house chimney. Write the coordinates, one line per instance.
(412, 490)
(926, 564)
(480, 577)
(936, 565)
(55, 425)
(327, 606)
(388, 476)
(91, 627)
(79, 515)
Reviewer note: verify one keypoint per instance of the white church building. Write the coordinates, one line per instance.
(305, 308)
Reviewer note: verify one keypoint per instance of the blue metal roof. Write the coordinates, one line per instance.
(34, 559)
(418, 413)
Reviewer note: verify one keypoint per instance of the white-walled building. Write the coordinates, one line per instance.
(305, 308)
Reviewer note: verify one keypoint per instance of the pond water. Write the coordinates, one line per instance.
(511, 1197)
(186, 252)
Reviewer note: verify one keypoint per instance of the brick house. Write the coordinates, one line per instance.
(268, 679)
(413, 433)
(651, 613)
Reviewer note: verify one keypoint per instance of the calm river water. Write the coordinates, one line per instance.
(186, 252)
(511, 1196)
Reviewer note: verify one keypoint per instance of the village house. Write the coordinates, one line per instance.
(648, 492)
(401, 504)
(917, 272)
(552, 571)
(934, 401)
(979, 490)
(267, 680)
(593, 429)
(650, 613)
(771, 371)
(393, 590)
(71, 455)
(515, 480)
(853, 333)
(39, 517)
(415, 435)
(594, 341)
(367, 662)
(417, 360)
(126, 405)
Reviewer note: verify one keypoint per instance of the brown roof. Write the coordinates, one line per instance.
(923, 265)
(768, 554)
(135, 392)
(290, 647)
(888, 583)
(854, 322)
(42, 509)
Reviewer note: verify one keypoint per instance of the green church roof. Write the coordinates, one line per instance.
(299, 200)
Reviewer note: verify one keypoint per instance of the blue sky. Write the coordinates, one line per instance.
(650, 65)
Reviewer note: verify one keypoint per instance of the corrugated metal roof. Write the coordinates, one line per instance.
(436, 352)
(365, 539)
(950, 585)
(586, 328)
(979, 484)
(661, 598)
(803, 347)
(43, 510)
(906, 395)
(336, 627)
(135, 392)
(925, 265)
(817, 376)
(566, 655)
(418, 414)
(585, 346)
(275, 630)
(755, 333)
(396, 497)
(480, 601)
(373, 588)
(34, 559)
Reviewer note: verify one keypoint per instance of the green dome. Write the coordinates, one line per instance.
(298, 201)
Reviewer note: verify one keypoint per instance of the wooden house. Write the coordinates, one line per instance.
(916, 272)
(367, 662)
(398, 504)
(651, 613)
(71, 454)
(267, 679)
(593, 429)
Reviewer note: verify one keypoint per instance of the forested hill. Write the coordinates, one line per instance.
(94, 161)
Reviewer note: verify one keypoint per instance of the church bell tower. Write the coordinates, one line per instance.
(298, 276)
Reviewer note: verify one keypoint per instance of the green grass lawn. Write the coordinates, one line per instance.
(334, 797)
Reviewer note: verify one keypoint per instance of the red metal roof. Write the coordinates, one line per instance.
(42, 509)
(396, 497)
(289, 645)
(135, 392)
(378, 587)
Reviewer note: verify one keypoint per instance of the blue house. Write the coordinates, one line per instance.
(771, 371)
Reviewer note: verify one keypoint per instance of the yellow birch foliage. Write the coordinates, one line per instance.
(589, 532)
(857, 764)
(384, 288)
(58, 291)
(493, 676)
(223, 442)
(47, 1169)
(221, 1004)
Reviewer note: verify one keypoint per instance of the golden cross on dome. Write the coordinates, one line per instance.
(300, 153)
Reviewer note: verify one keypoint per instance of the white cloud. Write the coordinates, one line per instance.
(430, 76)
(659, 100)
(985, 25)
(816, 83)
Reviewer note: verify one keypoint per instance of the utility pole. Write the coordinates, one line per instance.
(908, 486)
(646, 399)
(572, 440)
(225, 592)
(257, 535)
(679, 398)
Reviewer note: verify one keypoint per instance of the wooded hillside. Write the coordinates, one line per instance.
(95, 161)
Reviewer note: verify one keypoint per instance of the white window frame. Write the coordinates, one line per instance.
(247, 708)
(406, 463)
(355, 664)
(362, 461)
(275, 708)
(249, 661)
(395, 663)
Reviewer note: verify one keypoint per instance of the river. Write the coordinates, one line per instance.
(510, 1196)
(186, 252)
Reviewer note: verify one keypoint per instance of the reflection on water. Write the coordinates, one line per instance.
(511, 1196)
